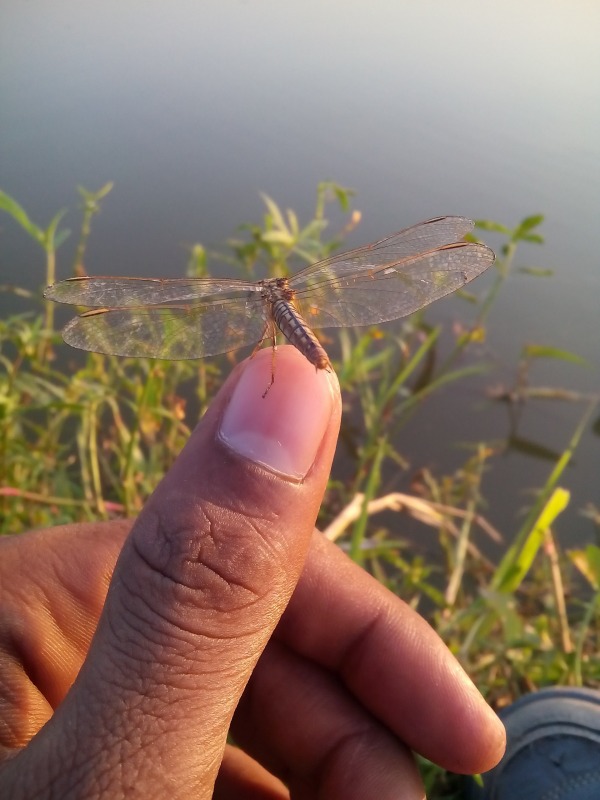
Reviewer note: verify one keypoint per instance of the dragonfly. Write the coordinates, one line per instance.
(187, 318)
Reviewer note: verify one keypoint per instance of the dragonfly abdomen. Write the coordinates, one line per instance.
(296, 330)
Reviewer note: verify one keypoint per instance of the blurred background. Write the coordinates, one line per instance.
(488, 110)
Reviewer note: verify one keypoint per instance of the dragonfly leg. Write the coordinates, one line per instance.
(273, 352)
(269, 332)
(273, 337)
(266, 334)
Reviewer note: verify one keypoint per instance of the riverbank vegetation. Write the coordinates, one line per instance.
(87, 436)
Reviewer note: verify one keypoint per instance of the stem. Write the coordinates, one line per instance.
(133, 440)
(94, 464)
(86, 228)
(373, 483)
(49, 310)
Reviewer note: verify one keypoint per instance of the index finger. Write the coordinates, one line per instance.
(391, 660)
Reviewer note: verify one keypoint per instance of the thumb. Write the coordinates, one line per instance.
(199, 587)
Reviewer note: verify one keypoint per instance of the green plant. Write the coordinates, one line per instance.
(88, 436)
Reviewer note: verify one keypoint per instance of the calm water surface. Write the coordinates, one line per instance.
(487, 110)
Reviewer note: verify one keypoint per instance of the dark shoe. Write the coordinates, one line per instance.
(553, 750)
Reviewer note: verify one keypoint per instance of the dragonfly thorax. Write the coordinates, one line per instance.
(273, 289)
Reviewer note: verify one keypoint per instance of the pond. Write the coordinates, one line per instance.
(485, 110)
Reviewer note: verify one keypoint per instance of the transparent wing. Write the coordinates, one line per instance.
(392, 291)
(390, 278)
(171, 332)
(421, 238)
(382, 281)
(100, 292)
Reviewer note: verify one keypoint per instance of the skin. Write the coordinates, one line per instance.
(128, 650)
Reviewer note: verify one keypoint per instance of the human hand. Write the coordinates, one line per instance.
(132, 693)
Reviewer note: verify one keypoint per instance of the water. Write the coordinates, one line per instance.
(487, 110)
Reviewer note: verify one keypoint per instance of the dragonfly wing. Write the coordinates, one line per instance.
(421, 238)
(394, 290)
(123, 292)
(170, 332)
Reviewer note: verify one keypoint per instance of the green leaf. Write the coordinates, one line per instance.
(343, 197)
(312, 232)
(466, 295)
(536, 272)
(504, 570)
(522, 561)
(531, 222)
(197, 265)
(50, 234)
(542, 351)
(277, 237)
(490, 225)
(532, 449)
(275, 213)
(90, 196)
(19, 214)
(522, 231)
(61, 236)
(293, 225)
(588, 563)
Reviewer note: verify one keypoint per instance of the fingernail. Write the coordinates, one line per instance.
(283, 430)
